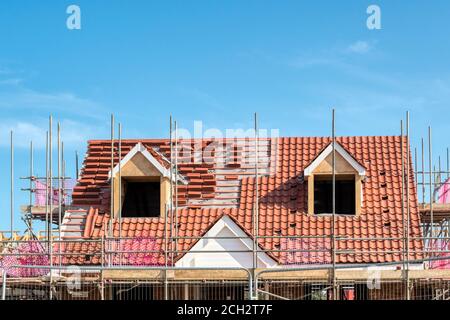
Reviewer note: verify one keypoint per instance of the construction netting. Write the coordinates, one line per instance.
(45, 194)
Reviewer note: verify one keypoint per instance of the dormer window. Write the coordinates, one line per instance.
(145, 184)
(349, 174)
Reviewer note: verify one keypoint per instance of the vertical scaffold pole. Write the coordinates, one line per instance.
(333, 228)
(169, 215)
(430, 164)
(120, 191)
(111, 215)
(255, 218)
(176, 188)
(402, 155)
(423, 172)
(415, 168)
(76, 165)
(448, 165)
(65, 201)
(256, 189)
(102, 257)
(171, 248)
(47, 219)
(408, 166)
(30, 220)
(12, 186)
(63, 173)
(166, 248)
(59, 191)
(50, 156)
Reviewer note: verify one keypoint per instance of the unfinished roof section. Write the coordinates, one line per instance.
(213, 181)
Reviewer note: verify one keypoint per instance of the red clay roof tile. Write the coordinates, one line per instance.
(282, 203)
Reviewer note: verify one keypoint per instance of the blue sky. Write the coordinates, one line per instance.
(217, 61)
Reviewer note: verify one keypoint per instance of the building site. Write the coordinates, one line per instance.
(243, 153)
(308, 218)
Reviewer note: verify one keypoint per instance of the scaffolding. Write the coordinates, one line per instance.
(51, 263)
(435, 213)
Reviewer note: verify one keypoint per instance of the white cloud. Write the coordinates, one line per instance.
(23, 133)
(16, 96)
(24, 110)
(21, 99)
(332, 57)
(73, 133)
(360, 47)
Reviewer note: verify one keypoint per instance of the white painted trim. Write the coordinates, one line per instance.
(225, 222)
(359, 168)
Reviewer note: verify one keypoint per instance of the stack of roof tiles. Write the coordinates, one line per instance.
(375, 235)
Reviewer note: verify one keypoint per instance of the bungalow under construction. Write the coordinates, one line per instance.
(258, 217)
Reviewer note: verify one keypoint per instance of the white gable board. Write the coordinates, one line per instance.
(140, 148)
(339, 149)
(224, 255)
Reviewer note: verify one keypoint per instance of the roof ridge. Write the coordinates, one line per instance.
(159, 140)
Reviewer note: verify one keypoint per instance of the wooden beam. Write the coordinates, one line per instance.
(311, 194)
(358, 194)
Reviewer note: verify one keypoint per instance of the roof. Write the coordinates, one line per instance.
(215, 189)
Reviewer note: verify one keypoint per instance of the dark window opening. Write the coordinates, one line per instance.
(142, 199)
(344, 196)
